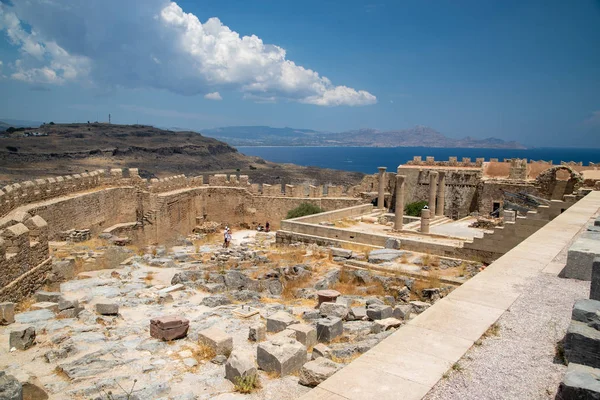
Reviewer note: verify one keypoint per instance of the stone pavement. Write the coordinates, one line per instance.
(412, 360)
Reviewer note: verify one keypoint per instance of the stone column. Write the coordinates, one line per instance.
(441, 194)
(425, 216)
(433, 177)
(399, 217)
(381, 192)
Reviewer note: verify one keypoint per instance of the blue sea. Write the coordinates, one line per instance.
(367, 159)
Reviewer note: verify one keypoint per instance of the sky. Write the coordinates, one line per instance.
(517, 70)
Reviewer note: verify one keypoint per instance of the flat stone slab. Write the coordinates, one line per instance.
(384, 255)
(42, 295)
(216, 339)
(315, 372)
(32, 317)
(279, 321)
(172, 289)
(45, 305)
(580, 382)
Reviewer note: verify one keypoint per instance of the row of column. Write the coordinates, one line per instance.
(437, 190)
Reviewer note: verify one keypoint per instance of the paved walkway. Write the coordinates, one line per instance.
(412, 360)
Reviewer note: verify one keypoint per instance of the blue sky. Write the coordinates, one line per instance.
(516, 70)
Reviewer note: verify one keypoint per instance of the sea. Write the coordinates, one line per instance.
(367, 159)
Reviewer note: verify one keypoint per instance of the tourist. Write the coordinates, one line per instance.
(225, 236)
(267, 227)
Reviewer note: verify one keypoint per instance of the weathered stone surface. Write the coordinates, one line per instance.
(357, 313)
(392, 243)
(53, 297)
(384, 255)
(305, 334)
(595, 286)
(419, 306)
(216, 339)
(93, 364)
(7, 313)
(587, 311)
(169, 327)
(328, 279)
(280, 321)
(582, 344)
(63, 270)
(281, 355)
(66, 304)
(107, 308)
(257, 333)
(33, 392)
(329, 328)
(314, 372)
(22, 339)
(246, 295)
(580, 383)
(10, 388)
(580, 258)
(215, 301)
(339, 310)
(240, 364)
(402, 312)
(45, 305)
(212, 287)
(382, 325)
(66, 349)
(337, 252)
(379, 311)
(321, 350)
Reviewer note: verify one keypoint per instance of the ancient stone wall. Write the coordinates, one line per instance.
(492, 191)
(23, 249)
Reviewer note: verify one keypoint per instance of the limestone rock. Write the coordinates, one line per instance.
(402, 312)
(279, 321)
(281, 355)
(392, 243)
(357, 313)
(216, 339)
(215, 301)
(582, 344)
(334, 310)
(305, 334)
(321, 350)
(33, 392)
(240, 364)
(246, 295)
(22, 339)
(580, 382)
(257, 333)
(316, 371)
(107, 308)
(7, 313)
(53, 297)
(384, 255)
(329, 328)
(45, 305)
(587, 311)
(385, 324)
(10, 388)
(337, 252)
(379, 311)
(419, 306)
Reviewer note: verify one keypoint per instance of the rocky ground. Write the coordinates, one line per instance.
(83, 349)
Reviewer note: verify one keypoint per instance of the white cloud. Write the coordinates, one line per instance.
(154, 43)
(213, 96)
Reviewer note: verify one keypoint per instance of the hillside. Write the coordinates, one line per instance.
(419, 136)
(72, 148)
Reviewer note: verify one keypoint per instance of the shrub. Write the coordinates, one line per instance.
(414, 209)
(247, 383)
(303, 210)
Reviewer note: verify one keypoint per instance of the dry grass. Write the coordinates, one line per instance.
(347, 284)
(404, 259)
(203, 353)
(58, 371)
(431, 261)
(149, 277)
(345, 360)
(293, 256)
(290, 287)
(247, 384)
(345, 223)
(272, 375)
(25, 304)
(431, 281)
(493, 330)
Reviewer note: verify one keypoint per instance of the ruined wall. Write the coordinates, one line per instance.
(461, 188)
(24, 257)
(492, 191)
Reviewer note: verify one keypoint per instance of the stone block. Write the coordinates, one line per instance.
(281, 355)
(240, 364)
(7, 313)
(339, 310)
(305, 334)
(580, 383)
(357, 313)
(107, 308)
(587, 311)
(22, 339)
(53, 297)
(169, 327)
(286, 333)
(66, 304)
(215, 301)
(257, 333)
(582, 344)
(321, 350)
(280, 321)
(314, 372)
(216, 339)
(580, 258)
(392, 243)
(384, 255)
(383, 325)
(419, 306)
(402, 312)
(10, 387)
(379, 311)
(64, 270)
(595, 287)
(343, 253)
(329, 328)
(45, 305)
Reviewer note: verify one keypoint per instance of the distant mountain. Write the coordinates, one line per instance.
(18, 123)
(419, 136)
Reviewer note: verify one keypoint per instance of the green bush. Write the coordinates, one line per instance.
(414, 209)
(303, 210)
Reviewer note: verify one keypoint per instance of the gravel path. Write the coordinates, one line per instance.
(518, 363)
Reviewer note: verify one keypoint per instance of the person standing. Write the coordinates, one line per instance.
(267, 227)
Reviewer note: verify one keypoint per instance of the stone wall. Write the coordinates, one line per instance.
(24, 255)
